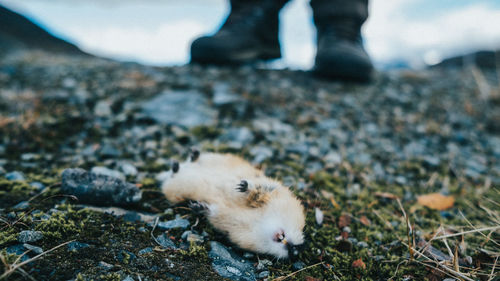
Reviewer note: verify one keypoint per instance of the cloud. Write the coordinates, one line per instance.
(167, 43)
(392, 35)
(160, 32)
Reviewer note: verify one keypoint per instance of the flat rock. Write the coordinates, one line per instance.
(175, 223)
(27, 236)
(184, 108)
(75, 246)
(15, 176)
(229, 265)
(99, 189)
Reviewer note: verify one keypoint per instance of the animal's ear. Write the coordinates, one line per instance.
(257, 197)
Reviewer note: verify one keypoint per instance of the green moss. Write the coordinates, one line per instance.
(195, 251)
(8, 235)
(204, 132)
(110, 277)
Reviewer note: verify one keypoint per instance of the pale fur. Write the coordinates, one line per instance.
(213, 180)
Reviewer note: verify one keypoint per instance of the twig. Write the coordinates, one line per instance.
(294, 273)
(17, 266)
(492, 275)
(493, 228)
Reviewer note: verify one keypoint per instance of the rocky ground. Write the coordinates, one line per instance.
(358, 156)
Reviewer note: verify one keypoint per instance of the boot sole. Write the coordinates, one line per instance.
(239, 58)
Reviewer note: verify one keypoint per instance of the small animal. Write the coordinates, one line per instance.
(257, 213)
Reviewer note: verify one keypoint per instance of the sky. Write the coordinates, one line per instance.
(159, 32)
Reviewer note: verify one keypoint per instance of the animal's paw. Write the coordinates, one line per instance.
(194, 154)
(175, 166)
(242, 186)
(198, 207)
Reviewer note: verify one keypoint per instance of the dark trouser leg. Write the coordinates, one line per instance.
(249, 33)
(340, 52)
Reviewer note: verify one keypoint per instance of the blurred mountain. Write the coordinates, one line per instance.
(481, 59)
(18, 32)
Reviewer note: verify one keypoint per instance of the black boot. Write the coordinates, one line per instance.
(250, 33)
(340, 53)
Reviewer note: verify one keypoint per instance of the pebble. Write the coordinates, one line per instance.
(21, 205)
(37, 185)
(263, 274)
(237, 138)
(165, 241)
(103, 109)
(145, 251)
(184, 108)
(75, 246)
(15, 176)
(18, 249)
(29, 236)
(176, 223)
(260, 154)
(128, 278)
(107, 172)
(99, 189)
(229, 265)
(34, 249)
(105, 265)
(298, 265)
(128, 169)
(263, 264)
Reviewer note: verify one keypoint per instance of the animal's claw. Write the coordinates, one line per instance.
(175, 167)
(195, 154)
(242, 186)
(197, 207)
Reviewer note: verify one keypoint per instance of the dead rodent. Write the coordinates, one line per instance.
(257, 213)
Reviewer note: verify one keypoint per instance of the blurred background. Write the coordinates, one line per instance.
(398, 33)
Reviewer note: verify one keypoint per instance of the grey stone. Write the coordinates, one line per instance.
(102, 108)
(34, 249)
(21, 205)
(298, 265)
(229, 265)
(175, 223)
(165, 241)
(128, 169)
(105, 265)
(432, 161)
(264, 274)
(333, 158)
(37, 185)
(109, 151)
(260, 153)
(237, 137)
(18, 249)
(99, 189)
(362, 244)
(27, 236)
(107, 172)
(184, 108)
(222, 95)
(15, 176)
(145, 251)
(75, 246)
(128, 278)
(263, 264)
